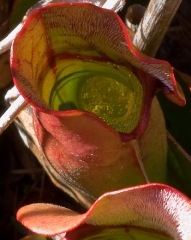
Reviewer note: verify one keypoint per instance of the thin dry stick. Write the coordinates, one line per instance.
(18, 105)
(6, 43)
(139, 158)
(154, 25)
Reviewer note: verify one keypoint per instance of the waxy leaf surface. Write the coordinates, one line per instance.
(92, 157)
(155, 206)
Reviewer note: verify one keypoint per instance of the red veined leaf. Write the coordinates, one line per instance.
(153, 206)
(80, 29)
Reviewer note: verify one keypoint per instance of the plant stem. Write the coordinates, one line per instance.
(154, 25)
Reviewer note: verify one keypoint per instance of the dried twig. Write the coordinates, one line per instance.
(6, 43)
(154, 25)
(18, 105)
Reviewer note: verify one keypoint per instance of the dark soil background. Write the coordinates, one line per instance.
(22, 179)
